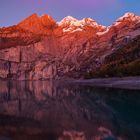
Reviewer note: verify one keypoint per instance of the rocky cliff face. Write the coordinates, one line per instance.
(40, 48)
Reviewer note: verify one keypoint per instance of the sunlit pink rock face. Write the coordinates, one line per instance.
(40, 48)
(37, 24)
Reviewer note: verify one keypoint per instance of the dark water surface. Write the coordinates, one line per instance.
(47, 111)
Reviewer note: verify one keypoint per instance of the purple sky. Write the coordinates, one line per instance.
(103, 11)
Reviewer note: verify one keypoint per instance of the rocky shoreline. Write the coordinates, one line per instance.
(130, 83)
(123, 83)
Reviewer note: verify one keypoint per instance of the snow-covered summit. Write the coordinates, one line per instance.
(127, 17)
(71, 21)
(67, 20)
(72, 24)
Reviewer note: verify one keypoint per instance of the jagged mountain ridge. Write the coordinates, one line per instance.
(41, 48)
(37, 24)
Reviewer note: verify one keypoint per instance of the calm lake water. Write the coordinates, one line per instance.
(59, 111)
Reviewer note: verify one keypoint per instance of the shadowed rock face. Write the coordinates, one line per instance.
(61, 111)
(40, 48)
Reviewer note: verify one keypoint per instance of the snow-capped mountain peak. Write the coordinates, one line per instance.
(69, 20)
(71, 24)
(128, 14)
(128, 18)
(88, 21)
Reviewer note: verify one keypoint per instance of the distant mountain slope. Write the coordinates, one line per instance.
(124, 61)
(41, 48)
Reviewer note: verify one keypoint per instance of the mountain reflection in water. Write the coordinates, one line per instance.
(45, 110)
